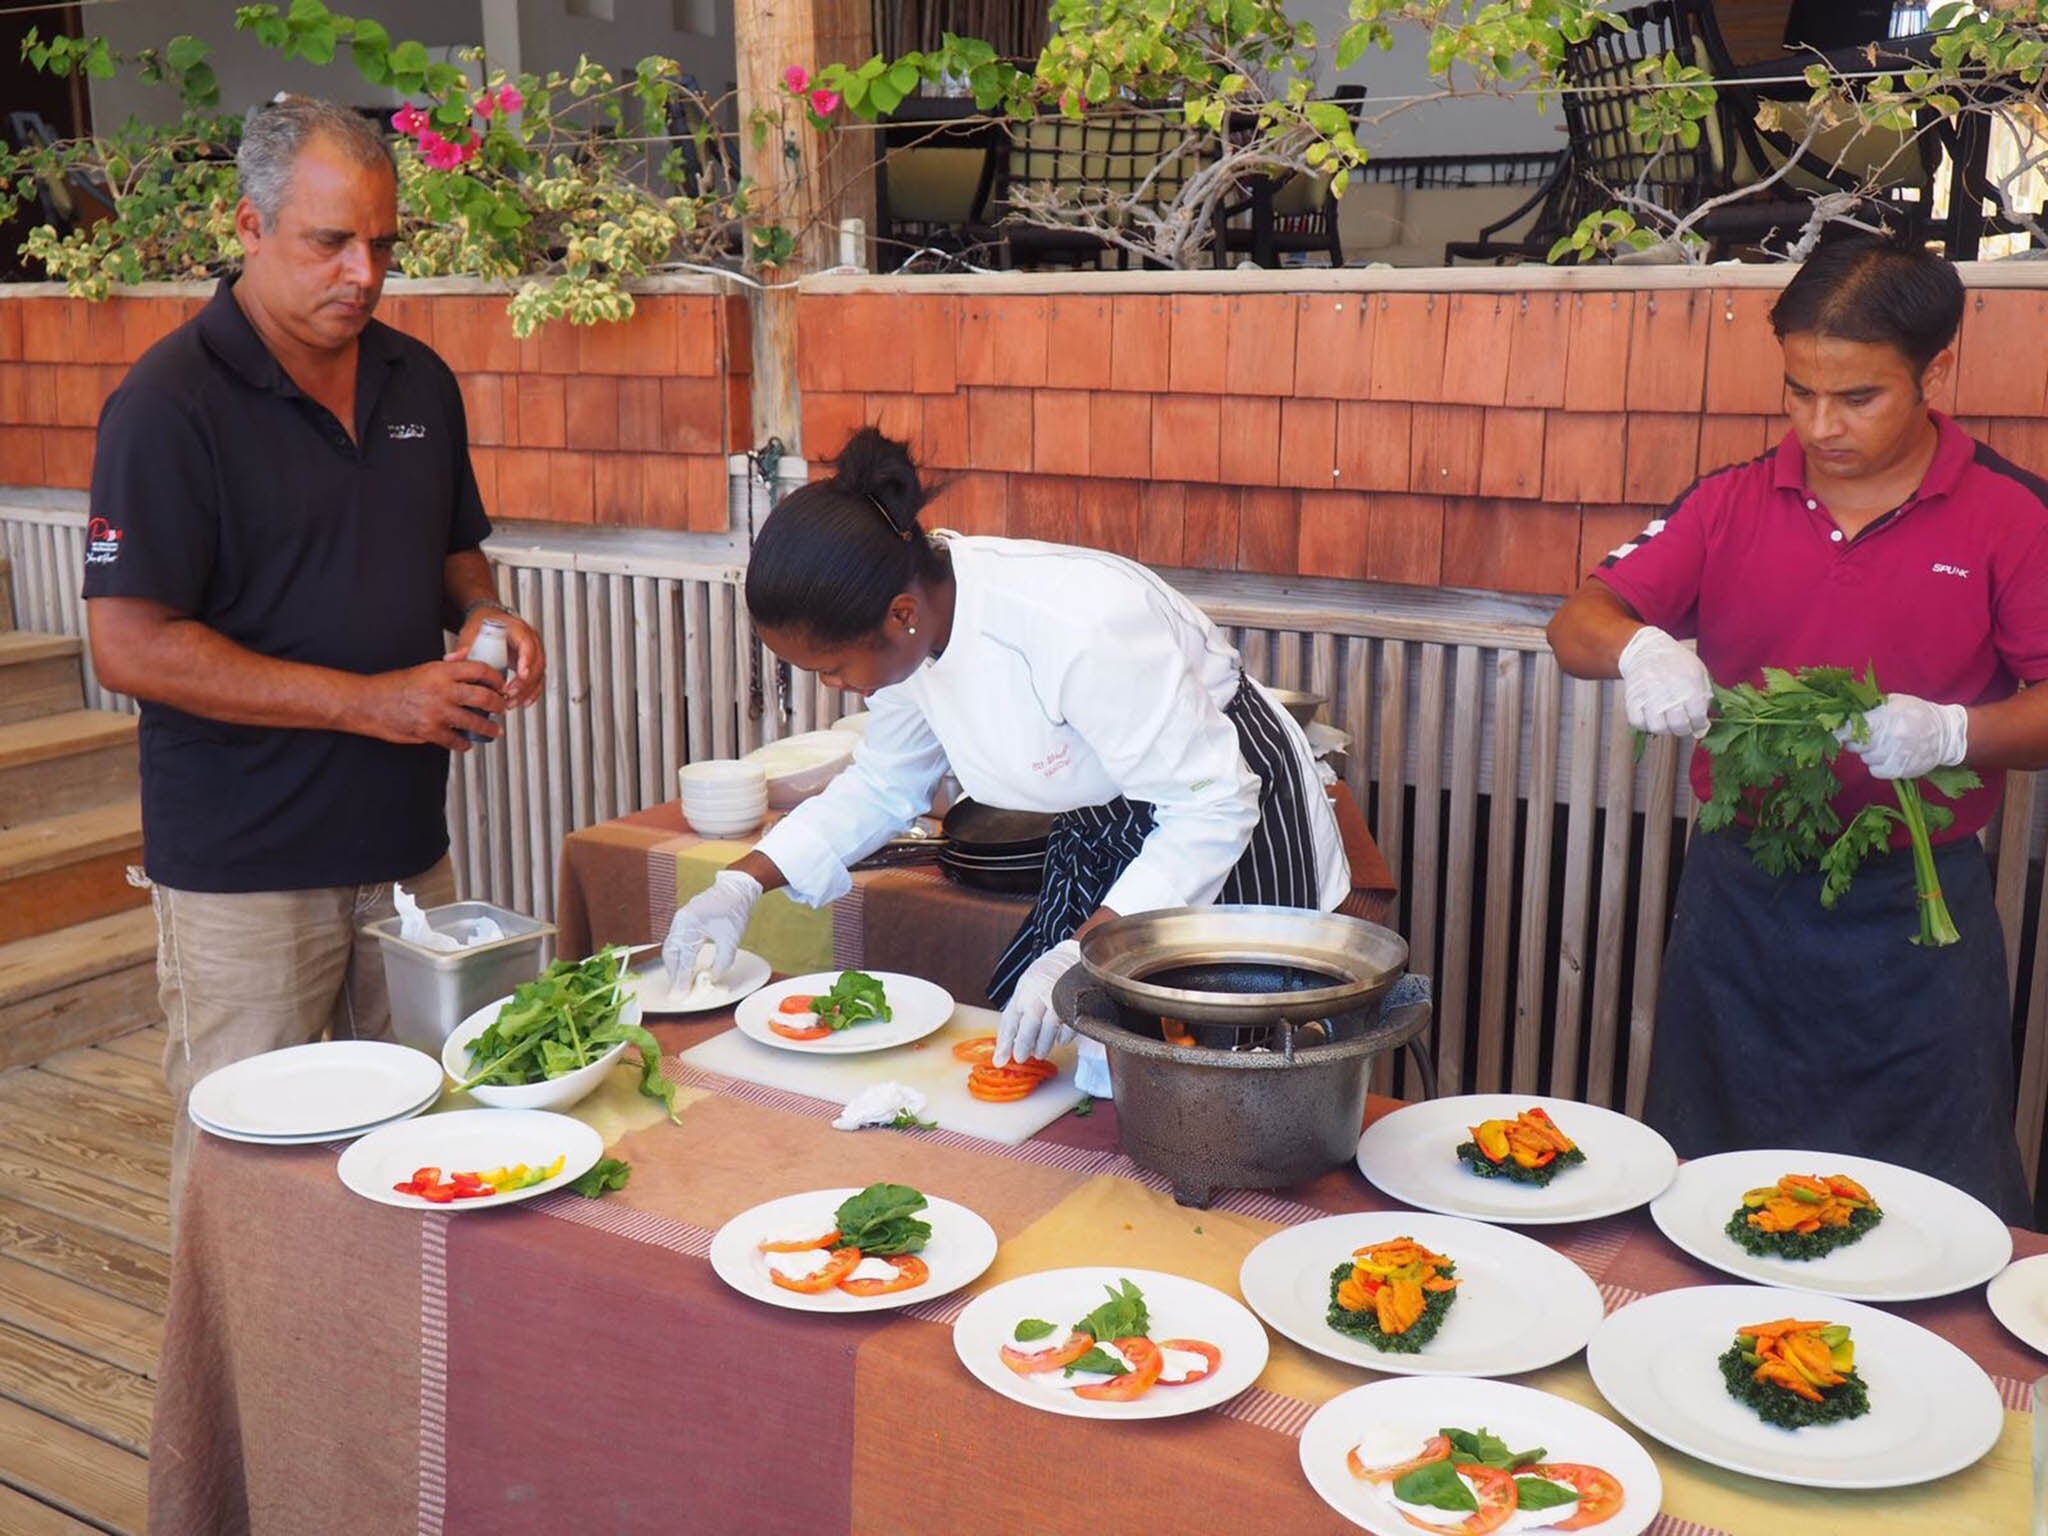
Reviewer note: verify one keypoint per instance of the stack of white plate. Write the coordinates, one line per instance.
(329, 1091)
(724, 797)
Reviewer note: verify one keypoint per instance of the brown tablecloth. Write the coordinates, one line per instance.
(617, 884)
(332, 1365)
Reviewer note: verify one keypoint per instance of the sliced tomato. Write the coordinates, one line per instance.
(1599, 1491)
(1002, 1085)
(1497, 1497)
(1436, 1448)
(910, 1271)
(791, 1032)
(1077, 1345)
(1146, 1362)
(1208, 1352)
(825, 1241)
(982, 1048)
(797, 1002)
(843, 1260)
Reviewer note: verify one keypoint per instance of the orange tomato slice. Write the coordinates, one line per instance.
(1146, 1362)
(979, 1050)
(1599, 1491)
(790, 1032)
(1498, 1501)
(1436, 1448)
(825, 1241)
(999, 1085)
(1207, 1351)
(797, 1002)
(1077, 1345)
(843, 1260)
(910, 1271)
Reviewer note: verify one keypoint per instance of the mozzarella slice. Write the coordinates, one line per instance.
(801, 1265)
(1180, 1364)
(872, 1269)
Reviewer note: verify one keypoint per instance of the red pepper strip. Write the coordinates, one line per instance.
(439, 1194)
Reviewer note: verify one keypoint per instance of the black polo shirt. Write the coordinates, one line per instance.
(222, 490)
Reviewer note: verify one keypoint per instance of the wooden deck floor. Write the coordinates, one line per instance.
(85, 1238)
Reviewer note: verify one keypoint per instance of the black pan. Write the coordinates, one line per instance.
(985, 829)
(1007, 882)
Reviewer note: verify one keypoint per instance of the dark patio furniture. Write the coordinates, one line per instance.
(1111, 161)
(1285, 214)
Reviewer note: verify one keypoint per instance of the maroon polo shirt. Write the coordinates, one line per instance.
(1946, 595)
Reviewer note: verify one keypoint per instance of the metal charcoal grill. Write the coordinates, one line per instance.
(1278, 1014)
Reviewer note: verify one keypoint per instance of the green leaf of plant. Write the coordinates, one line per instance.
(1542, 1493)
(1438, 1486)
(411, 57)
(606, 1173)
(1032, 1329)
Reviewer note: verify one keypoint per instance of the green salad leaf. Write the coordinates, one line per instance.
(1436, 1485)
(607, 1173)
(1542, 1493)
(882, 1220)
(1032, 1329)
(1488, 1449)
(1123, 1316)
(1100, 1361)
(855, 998)
(561, 1021)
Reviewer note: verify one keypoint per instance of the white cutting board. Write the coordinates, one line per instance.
(927, 1065)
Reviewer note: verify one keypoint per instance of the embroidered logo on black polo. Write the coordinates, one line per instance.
(405, 431)
(102, 542)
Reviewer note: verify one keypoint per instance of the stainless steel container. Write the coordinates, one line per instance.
(434, 990)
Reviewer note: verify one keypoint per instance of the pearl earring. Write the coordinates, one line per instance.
(910, 629)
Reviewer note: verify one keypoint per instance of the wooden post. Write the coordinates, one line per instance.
(780, 152)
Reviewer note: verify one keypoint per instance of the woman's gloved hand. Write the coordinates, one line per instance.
(1030, 1029)
(718, 916)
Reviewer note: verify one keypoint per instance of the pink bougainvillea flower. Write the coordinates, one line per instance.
(486, 104)
(797, 78)
(442, 154)
(510, 99)
(409, 120)
(824, 102)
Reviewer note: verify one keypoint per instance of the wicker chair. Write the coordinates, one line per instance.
(1110, 160)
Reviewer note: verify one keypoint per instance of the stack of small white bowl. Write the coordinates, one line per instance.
(724, 797)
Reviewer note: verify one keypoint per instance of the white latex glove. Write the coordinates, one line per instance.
(1666, 688)
(1906, 737)
(716, 915)
(1030, 1029)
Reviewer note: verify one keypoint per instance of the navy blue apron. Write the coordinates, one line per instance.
(1782, 1024)
(1088, 849)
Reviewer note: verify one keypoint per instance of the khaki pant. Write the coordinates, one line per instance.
(243, 973)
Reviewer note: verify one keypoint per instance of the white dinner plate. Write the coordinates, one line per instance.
(468, 1141)
(315, 1090)
(749, 972)
(917, 1008)
(2018, 1298)
(962, 1245)
(1934, 1239)
(1412, 1155)
(1520, 1306)
(1180, 1309)
(1388, 1421)
(349, 1134)
(1933, 1411)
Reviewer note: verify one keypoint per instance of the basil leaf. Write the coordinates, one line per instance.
(1489, 1450)
(1436, 1485)
(855, 998)
(1100, 1360)
(881, 1220)
(1032, 1329)
(606, 1173)
(1123, 1316)
(1542, 1493)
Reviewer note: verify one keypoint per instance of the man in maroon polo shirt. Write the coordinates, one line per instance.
(1877, 534)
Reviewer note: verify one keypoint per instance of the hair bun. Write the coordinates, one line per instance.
(880, 468)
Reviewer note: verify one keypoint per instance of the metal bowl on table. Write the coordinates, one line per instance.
(1240, 1039)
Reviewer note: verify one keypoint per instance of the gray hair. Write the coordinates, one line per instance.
(274, 134)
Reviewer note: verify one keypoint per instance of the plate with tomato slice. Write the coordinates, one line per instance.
(783, 1015)
(1585, 1472)
(462, 1149)
(786, 1236)
(1199, 1348)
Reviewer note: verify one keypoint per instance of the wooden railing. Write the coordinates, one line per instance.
(1536, 855)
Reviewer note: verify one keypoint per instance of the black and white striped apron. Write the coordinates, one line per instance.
(1089, 849)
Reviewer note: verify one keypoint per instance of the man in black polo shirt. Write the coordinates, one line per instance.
(285, 521)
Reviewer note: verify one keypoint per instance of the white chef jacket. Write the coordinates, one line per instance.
(1071, 676)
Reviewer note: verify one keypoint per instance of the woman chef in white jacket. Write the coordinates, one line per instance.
(1047, 678)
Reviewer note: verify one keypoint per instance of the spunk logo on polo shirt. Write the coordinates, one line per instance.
(102, 542)
(1950, 570)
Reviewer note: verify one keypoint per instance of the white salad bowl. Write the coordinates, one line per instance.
(553, 1093)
